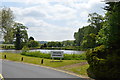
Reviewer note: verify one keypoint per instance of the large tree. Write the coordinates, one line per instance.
(96, 21)
(89, 41)
(21, 36)
(104, 60)
(113, 23)
(95, 24)
(6, 26)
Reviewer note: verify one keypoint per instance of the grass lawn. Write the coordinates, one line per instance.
(47, 62)
(82, 70)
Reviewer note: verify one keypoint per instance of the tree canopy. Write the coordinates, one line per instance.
(21, 35)
(104, 59)
(6, 26)
(82, 37)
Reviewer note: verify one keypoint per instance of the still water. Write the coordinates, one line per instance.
(45, 51)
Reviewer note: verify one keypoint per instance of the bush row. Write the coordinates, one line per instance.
(65, 48)
(7, 46)
(48, 55)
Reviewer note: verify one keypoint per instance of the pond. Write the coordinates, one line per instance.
(45, 51)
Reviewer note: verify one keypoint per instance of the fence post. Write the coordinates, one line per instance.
(42, 61)
(5, 56)
(21, 58)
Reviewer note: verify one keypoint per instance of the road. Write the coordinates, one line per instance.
(12, 69)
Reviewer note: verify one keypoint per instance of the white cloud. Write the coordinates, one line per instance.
(51, 32)
(41, 16)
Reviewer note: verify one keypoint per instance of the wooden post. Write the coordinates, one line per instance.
(21, 58)
(5, 56)
(42, 61)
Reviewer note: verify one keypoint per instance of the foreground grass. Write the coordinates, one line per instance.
(47, 62)
(82, 70)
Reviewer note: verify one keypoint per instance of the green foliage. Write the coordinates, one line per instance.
(48, 56)
(31, 38)
(96, 21)
(104, 60)
(54, 44)
(21, 36)
(6, 24)
(33, 44)
(114, 25)
(37, 54)
(75, 56)
(7, 46)
(104, 63)
(101, 38)
(84, 37)
(89, 41)
(78, 48)
(68, 43)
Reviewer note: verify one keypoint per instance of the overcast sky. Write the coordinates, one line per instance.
(53, 20)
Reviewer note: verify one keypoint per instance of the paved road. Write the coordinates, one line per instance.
(12, 69)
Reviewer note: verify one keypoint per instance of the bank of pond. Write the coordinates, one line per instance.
(41, 53)
(76, 48)
(81, 56)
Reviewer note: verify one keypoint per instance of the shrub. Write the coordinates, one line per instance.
(32, 44)
(104, 63)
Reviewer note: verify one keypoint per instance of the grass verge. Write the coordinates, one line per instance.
(82, 70)
(47, 62)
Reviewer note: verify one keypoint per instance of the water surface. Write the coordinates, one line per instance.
(45, 51)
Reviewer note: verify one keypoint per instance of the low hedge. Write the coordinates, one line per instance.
(48, 55)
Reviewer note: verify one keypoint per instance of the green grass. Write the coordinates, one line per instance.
(35, 60)
(47, 62)
(79, 69)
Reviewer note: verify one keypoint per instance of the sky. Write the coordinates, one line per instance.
(53, 20)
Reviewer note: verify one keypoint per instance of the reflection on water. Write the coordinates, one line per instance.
(45, 51)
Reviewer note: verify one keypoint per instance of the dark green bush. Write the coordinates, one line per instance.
(104, 63)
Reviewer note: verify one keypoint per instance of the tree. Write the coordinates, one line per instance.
(104, 60)
(32, 44)
(20, 34)
(113, 23)
(68, 43)
(6, 26)
(0, 23)
(78, 36)
(96, 21)
(89, 41)
(31, 38)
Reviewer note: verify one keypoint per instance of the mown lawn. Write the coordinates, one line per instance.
(82, 70)
(47, 62)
